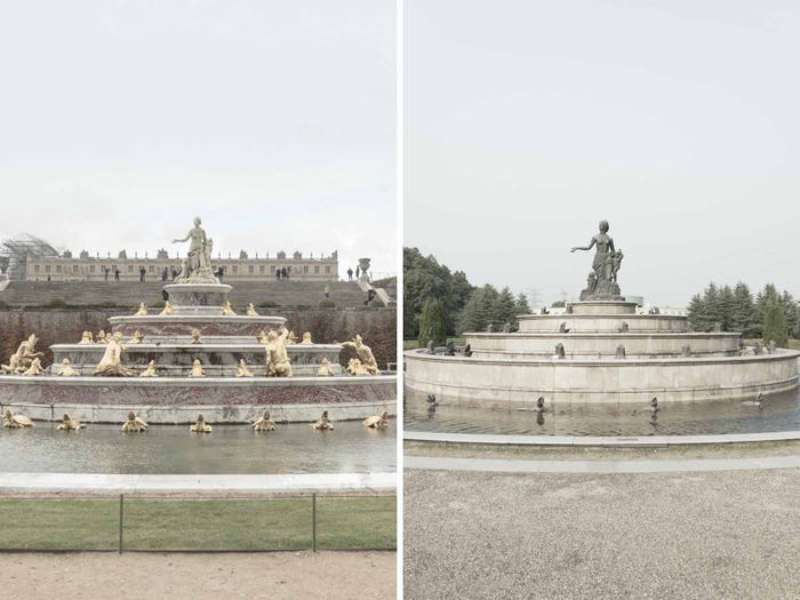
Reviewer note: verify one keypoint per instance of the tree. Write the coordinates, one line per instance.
(431, 324)
(726, 304)
(792, 314)
(743, 315)
(477, 313)
(521, 307)
(696, 313)
(775, 321)
(503, 309)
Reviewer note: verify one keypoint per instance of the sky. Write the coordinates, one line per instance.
(527, 122)
(273, 121)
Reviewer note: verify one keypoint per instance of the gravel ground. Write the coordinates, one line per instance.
(283, 576)
(688, 535)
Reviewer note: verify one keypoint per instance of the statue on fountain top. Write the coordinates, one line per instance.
(196, 268)
(602, 280)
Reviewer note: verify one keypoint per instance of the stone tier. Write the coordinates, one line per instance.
(219, 360)
(601, 345)
(198, 298)
(502, 383)
(170, 400)
(603, 323)
(175, 328)
(602, 307)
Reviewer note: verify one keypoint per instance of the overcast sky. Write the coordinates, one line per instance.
(274, 121)
(679, 122)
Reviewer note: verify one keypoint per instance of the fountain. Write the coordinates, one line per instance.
(601, 350)
(195, 356)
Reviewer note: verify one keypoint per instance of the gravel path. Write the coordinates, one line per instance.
(687, 535)
(282, 576)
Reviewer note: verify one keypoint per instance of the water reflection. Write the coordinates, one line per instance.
(774, 413)
(352, 448)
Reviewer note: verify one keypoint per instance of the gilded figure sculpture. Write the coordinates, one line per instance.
(200, 426)
(134, 424)
(278, 364)
(69, 424)
(243, 371)
(325, 369)
(364, 354)
(378, 422)
(323, 423)
(111, 363)
(66, 369)
(150, 371)
(264, 423)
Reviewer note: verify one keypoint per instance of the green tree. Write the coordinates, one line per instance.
(478, 312)
(775, 321)
(431, 324)
(696, 313)
(503, 309)
(726, 307)
(744, 318)
(792, 315)
(712, 305)
(521, 307)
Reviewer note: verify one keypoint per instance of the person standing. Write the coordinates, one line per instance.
(350, 274)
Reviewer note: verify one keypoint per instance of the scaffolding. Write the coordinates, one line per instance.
(15, 251)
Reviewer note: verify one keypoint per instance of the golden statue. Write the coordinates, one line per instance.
(100, 338)
(195, 336)
(137, 337)
(378, 422)
(167, 310)
(243, 371)
(251, 310)
(292, 339)
(364, 354)
(69, 424)
(307, 338)
(262, 338)
(35, 368)
(325, 368)
(23, 358)
(201, 426)
(323, 423)
(142, 312)
(197, 368)
(150, 371)
(264, 423)
(66, 370)
(278, 364)
(356, 367)
(12, 421)
(227, 309)
(87, 338)
(134, 424)
(111, 363)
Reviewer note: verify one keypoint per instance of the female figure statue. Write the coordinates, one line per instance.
(602, 280)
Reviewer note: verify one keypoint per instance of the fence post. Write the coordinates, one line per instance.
(121, 517)
(314, 522)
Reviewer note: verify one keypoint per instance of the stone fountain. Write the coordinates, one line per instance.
(198, 328)
(601, 349)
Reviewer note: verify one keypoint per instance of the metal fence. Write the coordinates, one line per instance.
(158, 523)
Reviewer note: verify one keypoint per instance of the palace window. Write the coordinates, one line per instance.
(47, 268)
(74, 268)
(316, 269)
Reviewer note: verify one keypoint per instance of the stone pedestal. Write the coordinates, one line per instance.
(203, 299)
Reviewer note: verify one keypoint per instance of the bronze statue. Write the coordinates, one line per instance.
(602, 281)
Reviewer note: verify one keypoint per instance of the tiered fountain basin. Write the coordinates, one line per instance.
(174, 396)
(514, 369)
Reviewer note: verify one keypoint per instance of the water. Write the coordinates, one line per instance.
(778, 413)
(170, 449)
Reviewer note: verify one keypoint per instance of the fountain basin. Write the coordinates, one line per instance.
(174, 327)
(220, 360)
(174, 400)
(494, 382)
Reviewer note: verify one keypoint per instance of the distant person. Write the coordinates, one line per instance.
(116, 274)
(142, 274)
(174, 273)
(106, 272)
(350, 274)
(278, 274)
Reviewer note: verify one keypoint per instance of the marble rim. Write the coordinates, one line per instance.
(198, 381)
(597, 334)
(781, 354)
(599, 441)
(202, 347)
(178, 318)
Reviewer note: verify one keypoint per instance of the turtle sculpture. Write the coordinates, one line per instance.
(264, 423)
(378, 422)
(66, 369)
(12, 421)
(134, 424)
(243, 371)
(323, 423)
(150, 371)
(69, 424)
(200, 426)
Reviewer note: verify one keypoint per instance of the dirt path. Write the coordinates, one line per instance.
(327, 575)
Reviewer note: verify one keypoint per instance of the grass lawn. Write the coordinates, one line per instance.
(350, 523)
